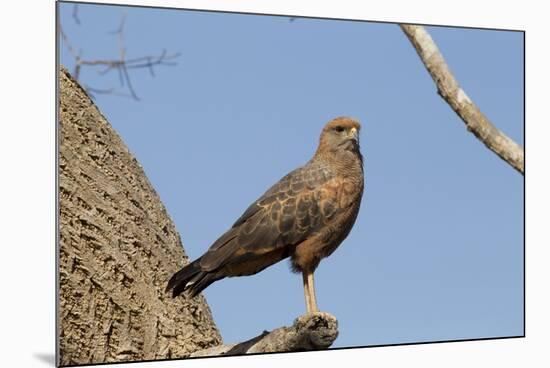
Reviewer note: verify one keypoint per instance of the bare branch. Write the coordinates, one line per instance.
(75, 14)
(121, 64)
(120, 33)
(99, 90)
(120, 25)
(92, 91)
(449, 89)
(128, 82)
(150, 67)
(309, 332)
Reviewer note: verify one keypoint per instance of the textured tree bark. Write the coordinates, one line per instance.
(118, 247)
(449, 89)
(309, 332)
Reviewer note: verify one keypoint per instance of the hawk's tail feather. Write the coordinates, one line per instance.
(180, 279)
(192, 278)
(201, 282)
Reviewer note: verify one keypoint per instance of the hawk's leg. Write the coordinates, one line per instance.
(309, 292)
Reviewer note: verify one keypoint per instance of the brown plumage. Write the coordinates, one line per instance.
(304, 216)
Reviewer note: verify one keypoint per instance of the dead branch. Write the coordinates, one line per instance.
(449, 89)
(121, 64)
(309, 332)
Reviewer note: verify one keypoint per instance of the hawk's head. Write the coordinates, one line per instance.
(340, 134)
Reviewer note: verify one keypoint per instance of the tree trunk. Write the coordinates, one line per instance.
(117, 249)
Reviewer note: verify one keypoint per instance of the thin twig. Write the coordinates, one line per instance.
(121, 64)
(105, 91)
(75, 14)
(72, 51)
(129, 82)
(449, 89)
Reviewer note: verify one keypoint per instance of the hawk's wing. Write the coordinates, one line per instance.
(288, 213)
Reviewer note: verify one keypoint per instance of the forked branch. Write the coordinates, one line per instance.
(121, 64)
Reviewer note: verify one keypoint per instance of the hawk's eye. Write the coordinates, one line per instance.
(339, 129)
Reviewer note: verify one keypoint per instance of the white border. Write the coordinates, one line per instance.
(27, 182)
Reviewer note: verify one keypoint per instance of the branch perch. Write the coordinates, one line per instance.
(309, 332)
(449, 89)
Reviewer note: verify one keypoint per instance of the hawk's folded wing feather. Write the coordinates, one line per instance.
(288, 213)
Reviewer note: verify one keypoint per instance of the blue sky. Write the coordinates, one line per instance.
(437, 249)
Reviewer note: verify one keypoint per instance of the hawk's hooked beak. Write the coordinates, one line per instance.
(354, 134)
